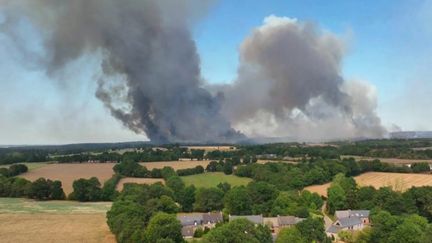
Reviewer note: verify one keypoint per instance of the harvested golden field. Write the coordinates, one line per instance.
(398, 181)
(67, 173)
(137, 181)
(212, 148)
(176, 165)
(390, 160)
(54, 228)
(24, 220)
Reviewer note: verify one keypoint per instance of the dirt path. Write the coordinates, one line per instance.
(327, 221)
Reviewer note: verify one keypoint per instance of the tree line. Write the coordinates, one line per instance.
(287, 176)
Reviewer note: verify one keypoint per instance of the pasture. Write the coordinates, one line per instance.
(67, 173)
(213, 179)
(398, 181)
(23, 220)
(123, 181)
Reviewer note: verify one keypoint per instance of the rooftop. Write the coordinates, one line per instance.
(256, 219)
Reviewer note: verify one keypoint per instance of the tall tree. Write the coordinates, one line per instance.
(163, 226)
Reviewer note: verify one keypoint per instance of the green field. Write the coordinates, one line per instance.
(30, 166)
(21, 205)
(213, 179)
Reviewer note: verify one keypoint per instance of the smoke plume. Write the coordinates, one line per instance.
(151, 72)
(289, 83)
(289, 80)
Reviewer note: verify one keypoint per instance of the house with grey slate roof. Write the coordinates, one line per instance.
(192, 221)
(348, 220)
(277, 223)
(256, 219)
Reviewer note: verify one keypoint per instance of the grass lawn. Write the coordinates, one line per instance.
(213, 179)
(21, 205)
(30, 166)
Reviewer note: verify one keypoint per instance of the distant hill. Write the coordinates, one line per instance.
(411, 134)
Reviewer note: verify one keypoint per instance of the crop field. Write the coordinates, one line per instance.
(398, 181)
(23, 220)
(176, 165)
(213, 179)
(123, 181)
(391, 160)
(67, 173)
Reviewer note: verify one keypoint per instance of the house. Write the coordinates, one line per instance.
(192, 221)
(188, 231)
(287, 221)
(279, 222)
(348, 220)
(256, 219)
(210, 219)
(362, 214)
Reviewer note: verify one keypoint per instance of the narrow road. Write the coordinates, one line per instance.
(327, 221)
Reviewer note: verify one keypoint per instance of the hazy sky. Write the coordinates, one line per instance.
(389, 46)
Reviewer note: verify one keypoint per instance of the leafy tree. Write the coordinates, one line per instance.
(109, 192)
(176, 184)
(237, 201)
(131, 168)
(228, 168)
(225, 186)
(312, 230)
(262, 195)
(167, 172)
(291, 235)
(87, 190)
(57, 192)
(197, 154)
(163, 226)
(420, 167)
(40, 189)
(208, 199)
(239, 231)
(383, 225)
(336, 198)
(311, 200)
(212, 166)
(285, 204)
(164, 203)
(17, 169)
(43, 189)
(422, 199)
(186, 198)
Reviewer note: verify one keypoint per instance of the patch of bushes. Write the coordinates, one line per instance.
(191, 171)
(13, 170)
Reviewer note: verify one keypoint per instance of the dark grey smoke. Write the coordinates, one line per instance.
(151, 71)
